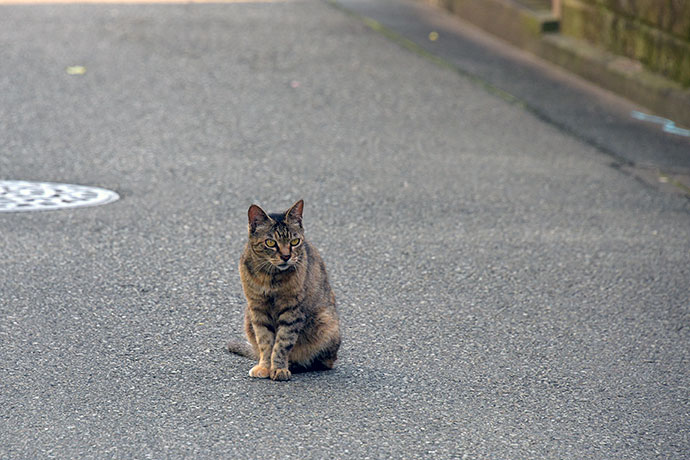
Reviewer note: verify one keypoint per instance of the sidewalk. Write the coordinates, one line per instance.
(626, 131)
(530, 25)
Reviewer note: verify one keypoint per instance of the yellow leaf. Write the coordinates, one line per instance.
(76, 70)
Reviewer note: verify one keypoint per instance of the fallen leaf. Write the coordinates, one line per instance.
(76, 70)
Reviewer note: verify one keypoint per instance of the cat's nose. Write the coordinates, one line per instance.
(285, 257)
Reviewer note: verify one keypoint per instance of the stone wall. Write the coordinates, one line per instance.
(654, 32)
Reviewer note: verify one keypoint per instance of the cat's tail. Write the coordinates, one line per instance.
(241, 348)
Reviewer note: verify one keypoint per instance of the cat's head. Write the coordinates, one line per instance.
(277, 239)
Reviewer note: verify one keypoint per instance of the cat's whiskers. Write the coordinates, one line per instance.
(300, 261)
(266, 266)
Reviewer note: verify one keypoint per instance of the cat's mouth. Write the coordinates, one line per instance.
(284, 266)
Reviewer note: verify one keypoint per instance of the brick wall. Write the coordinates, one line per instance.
(655, 32)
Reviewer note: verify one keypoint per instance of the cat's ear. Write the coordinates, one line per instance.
(256, 216)
(294, 214)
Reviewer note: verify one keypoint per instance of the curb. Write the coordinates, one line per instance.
(537, 32)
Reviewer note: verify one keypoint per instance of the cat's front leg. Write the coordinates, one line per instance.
(265, 338)
(290, 324)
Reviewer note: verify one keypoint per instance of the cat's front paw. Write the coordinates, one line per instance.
(280, 374)
(260, 372)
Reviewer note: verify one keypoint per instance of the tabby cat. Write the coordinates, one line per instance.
(290, 320)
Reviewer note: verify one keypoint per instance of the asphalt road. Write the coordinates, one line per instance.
(504, 291)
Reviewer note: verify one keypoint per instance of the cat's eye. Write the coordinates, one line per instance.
(270, 243)
(295, 242)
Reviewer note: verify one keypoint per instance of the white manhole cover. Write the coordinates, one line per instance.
(17, 196)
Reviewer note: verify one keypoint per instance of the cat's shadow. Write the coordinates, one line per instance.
(347, 373)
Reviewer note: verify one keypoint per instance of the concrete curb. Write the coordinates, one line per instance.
(536, 32)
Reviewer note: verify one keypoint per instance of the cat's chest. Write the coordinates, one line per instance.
(274, 295)
(266, 287)
(270, 285)
(275, 299)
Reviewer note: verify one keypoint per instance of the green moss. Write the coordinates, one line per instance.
(628, 36)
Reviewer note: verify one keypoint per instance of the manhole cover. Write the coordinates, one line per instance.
(18, 196)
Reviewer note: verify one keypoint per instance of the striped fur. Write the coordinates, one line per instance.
(290, 321)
